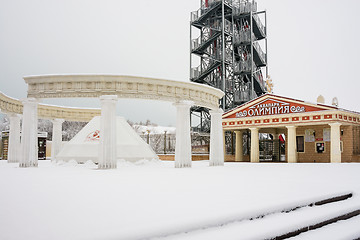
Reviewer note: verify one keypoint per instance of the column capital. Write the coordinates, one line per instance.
(216, 111)
(57, 120)
(14, 115)
(108, 98)
(335, 124)
(239, 131)
(30, 101)
(254, 129)
(183, 103)
(291, 127)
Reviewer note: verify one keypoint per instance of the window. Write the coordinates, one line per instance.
(300, 144)
(341, 146)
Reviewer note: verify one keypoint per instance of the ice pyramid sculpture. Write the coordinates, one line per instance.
(85, 145)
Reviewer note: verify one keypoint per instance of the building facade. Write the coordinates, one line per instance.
(276, 128)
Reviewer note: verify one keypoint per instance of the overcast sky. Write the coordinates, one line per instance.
(313, 46)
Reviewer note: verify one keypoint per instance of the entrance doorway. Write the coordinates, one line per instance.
(272, 150)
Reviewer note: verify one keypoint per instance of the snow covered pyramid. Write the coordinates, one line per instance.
(85, 145)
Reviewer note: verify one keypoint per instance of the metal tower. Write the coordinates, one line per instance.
(227, 52)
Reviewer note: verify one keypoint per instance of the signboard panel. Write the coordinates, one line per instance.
(274, 106)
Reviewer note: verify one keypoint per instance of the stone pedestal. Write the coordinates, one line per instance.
(107, 151)
(14, 139)
(29, 138)
(216, 138)
(56, 138)
(239, 156)
(291, 144)
(335, 154)
(183, 138)
(254, 152)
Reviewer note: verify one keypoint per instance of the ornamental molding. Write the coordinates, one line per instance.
(295, 119)
(74, 86)
(10, 105)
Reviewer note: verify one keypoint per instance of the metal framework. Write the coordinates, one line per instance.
(228, 52)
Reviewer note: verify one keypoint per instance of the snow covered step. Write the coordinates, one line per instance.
(349, 229)
(277, 224)
(316, 226)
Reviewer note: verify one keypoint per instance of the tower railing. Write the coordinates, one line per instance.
(228, 2)
(260, 79)
(259, 24)
(228, 27)
(260, 52)
(243, 66)
(243, 36)
(244, 8)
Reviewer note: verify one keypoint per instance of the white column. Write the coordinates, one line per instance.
(239, 146)
(107, 151)
(14, 139)
(56, 138)
(291, 144)
(335, 154)
(254, 152)
(29, 138)
(183, 138)
(216, 138)
(224, 145)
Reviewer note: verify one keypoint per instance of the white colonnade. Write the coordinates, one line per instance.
(239, 157)
(14, 138)
(335, 154)
(183, 137)
(216, 138)
(29, 139)
(183, 156)
(291, 144)
(56, 138)
(107, 148)
(254, 151)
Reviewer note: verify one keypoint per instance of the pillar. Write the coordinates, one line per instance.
(107, 146)
(239, 152)
(216, 138)
(56, 138)
(183, 139)
(29, 132)
(224, 143)
(14, 139)
(277, 146)
(254, 152)
(335, 151)
(291, 144)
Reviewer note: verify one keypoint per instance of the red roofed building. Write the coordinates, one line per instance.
(299, 131)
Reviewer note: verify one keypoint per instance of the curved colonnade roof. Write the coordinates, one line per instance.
(90, 85)
(10, 105)
(93, 86)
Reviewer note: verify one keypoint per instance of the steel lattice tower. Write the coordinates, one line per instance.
(228, 52)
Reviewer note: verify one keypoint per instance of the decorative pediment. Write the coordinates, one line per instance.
(269, 104)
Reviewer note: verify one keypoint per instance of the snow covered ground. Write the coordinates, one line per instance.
(153, 200)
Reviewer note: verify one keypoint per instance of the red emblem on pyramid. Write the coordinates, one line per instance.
(93, 136)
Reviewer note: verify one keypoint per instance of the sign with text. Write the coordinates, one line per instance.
(272, 106)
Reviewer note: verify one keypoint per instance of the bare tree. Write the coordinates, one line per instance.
(4, 123)
(70, 129)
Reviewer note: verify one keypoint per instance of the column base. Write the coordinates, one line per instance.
(107, 166)
(182, 165)
(26, 165)
(216, 163)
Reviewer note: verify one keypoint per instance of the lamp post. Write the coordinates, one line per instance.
(148, 136)
(165, 142)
